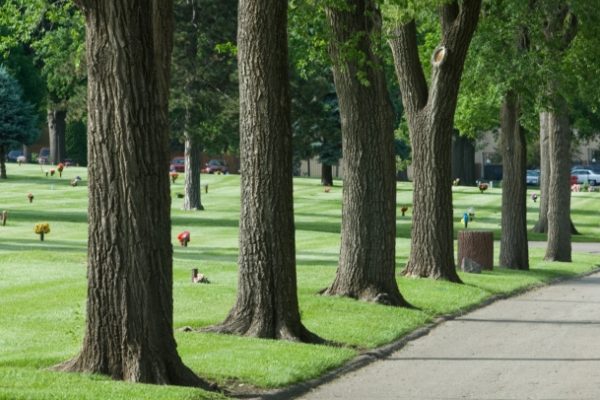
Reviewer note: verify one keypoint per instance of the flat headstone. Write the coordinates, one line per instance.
(470, 266)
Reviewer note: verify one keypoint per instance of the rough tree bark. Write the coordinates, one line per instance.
(129, 324)
(469, 161)
(430, 116)
(514, 249)
(2, 162)
(193, 155)
(367, 262)
(458, 155)
(542, 224)
(326, 175)
(560, 29)
(463, 159)
(266, 303)
(559, 187)
(57, 128)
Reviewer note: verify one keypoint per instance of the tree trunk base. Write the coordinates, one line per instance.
(199, 208)
(542, 227)
(249, 327)
(371, 294)
(442, 275)
(171, 371)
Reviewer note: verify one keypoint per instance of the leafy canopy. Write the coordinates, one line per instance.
(17, 117)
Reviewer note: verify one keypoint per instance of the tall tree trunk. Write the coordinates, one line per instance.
(129, 325)
(469, 162)
(193, 155)
(326, 175)
(2, 162)
(559, 187)
(266, 303)
(458, 156)
(542, 224)
(514, 250)
(57, 128)
(430, 116)
(402, 175)
(367, 262)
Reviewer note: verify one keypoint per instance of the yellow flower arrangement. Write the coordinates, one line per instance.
(42, 229)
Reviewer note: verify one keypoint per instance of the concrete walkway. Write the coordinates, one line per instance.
(593, 248)
(544, 344)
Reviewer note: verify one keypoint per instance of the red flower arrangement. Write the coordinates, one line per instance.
(483, 187)
(184, 238)
(403, 209)
(52, 172)
(174, 176)
(30, 197)
(60, 168)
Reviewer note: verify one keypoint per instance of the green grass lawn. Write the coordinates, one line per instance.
(43, 285)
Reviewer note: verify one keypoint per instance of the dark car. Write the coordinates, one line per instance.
(177, 164)
(216, 165)
(13, 154)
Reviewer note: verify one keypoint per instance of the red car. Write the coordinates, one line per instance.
(178, 164)
(216, 165)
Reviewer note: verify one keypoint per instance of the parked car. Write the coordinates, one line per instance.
(178, 164)
(216, 165)
(586, 175)
(13, 154)
(533, 177)
(44, 155)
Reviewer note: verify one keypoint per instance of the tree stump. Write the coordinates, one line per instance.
(478, 246)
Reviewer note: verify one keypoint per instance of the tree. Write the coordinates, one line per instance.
(316, 127)
(76, 141)
(315, 108)
(266, 303)
(430, 116)
(560, 29)
(53, 31)
(367, 262)
(129, 324)
(204, 97)
(514, 250)
(17, 117)
(463, 158)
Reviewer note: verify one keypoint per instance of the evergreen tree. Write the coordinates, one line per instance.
(17, 117)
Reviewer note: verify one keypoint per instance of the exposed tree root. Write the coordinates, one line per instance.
(168, 372)
(450, 276)
(371, 295)
(264, 329)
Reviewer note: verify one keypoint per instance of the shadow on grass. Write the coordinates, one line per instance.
(36, 216)
(62, 246)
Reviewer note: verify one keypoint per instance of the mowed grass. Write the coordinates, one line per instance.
(43, 285)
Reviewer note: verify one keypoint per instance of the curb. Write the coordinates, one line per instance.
(386, 350)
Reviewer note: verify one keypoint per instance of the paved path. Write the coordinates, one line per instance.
(593, 248)
(544, 344)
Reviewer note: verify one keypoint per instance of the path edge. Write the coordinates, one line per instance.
(370, 356)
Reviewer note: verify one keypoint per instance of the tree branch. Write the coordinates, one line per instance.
(448, 13)
(463, 26)
(408, 66)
